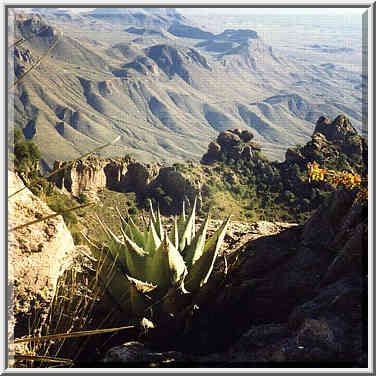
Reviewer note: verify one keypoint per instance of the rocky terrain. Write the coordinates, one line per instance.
(285, 294)
(38, 255)
(233, 162)
(291, 298)
(295, 298)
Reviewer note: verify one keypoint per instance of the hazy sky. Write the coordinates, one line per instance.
(281, 11)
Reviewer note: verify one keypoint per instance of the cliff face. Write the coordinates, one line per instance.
(94, 174)
(86, 175)
(37, 256)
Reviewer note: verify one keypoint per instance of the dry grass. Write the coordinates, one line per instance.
(69, 317)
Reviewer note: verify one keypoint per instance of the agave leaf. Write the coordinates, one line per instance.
(188, 233)
(153, 241)
(127, 230)
(118, 252)
(167, 267)
(157, 268)
(196, 248)
(135, 259)
(139, 297)
(158, 224)
(174, 300)
(116, 246)
(178, 269)
(152, 212)
(174, 234)
(181, 221)
(123, 222)
(137, 235)
(202, 268)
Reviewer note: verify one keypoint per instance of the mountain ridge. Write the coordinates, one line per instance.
(166, 100)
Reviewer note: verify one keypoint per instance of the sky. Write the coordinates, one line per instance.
(276, 11)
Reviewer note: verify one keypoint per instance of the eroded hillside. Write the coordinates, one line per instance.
(166, 94)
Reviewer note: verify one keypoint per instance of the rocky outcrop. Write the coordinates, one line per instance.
(144, 65)
(29, 25)
(37, 256)
(94, 173)
(238, 35)
(22, 60)
(338, 130)
(340, 133)
(235, 143)
(331, 141)
(82, 175)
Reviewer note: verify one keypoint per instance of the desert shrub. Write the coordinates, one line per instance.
(59, 203)
(82, 198)
(350, 181)
(26, 156)
(289, 196)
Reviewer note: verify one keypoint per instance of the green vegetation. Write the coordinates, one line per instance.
(155, 267)
(25, 155)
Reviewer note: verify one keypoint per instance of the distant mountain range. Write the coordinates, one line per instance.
(165, 85)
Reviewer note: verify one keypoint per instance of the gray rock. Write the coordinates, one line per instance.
(228, 139)
(137, 352)
(246, 136)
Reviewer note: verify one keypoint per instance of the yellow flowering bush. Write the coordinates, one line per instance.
(349, 180)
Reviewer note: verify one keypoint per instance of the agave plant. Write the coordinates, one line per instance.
(154, 267)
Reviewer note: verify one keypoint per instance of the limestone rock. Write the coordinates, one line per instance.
(137, 178)
(234, 143)
(82, 175)
(37, 254)
(93, 174)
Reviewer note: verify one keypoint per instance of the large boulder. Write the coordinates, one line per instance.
(246, 135)
(38, 255)
(228, 139)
